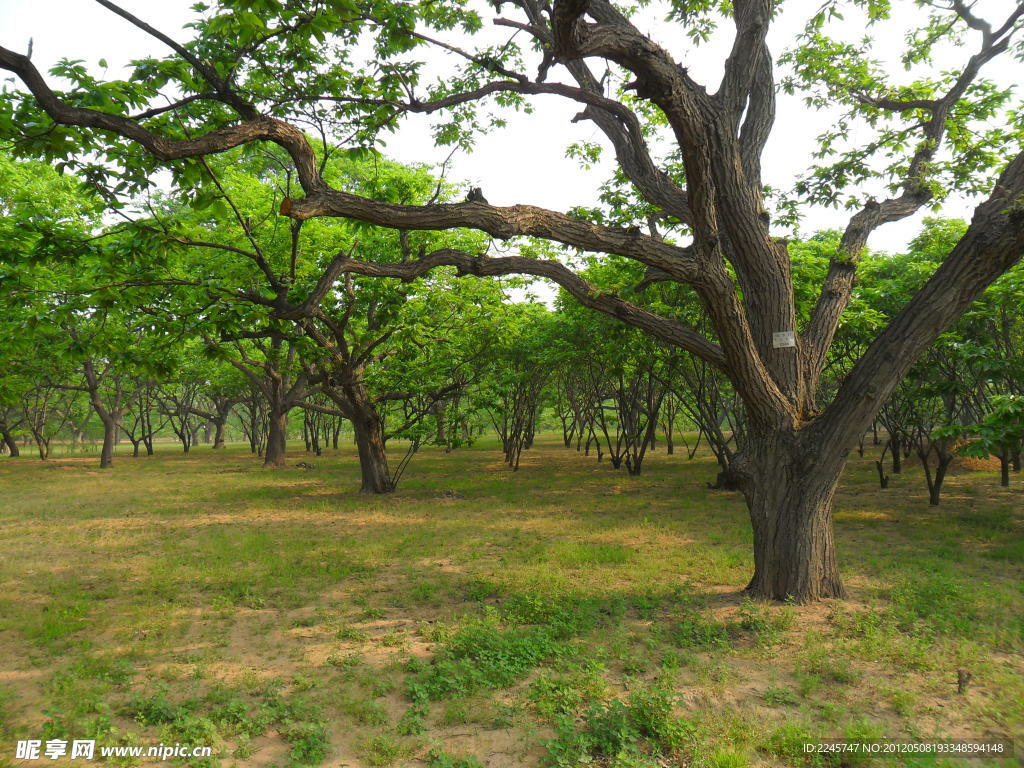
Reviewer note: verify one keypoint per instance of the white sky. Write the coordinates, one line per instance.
(524, 163)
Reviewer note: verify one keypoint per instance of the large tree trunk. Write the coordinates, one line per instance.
(109, 433)
(789, 494)
(218, 438)
(11, 444)
(277, 438)
(354, 401)
(373, 460)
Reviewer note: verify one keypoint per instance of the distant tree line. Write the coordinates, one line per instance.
(174, 323)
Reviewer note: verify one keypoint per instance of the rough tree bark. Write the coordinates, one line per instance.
(373, 460)
(355, 404)
(789, 488)
(277, 436)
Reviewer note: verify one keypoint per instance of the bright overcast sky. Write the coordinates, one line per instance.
(526, 162)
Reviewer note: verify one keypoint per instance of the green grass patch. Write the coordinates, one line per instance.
(563, 614)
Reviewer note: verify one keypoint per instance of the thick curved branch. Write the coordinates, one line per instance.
(972, 21)
(504, 223)
(615, 120)
(623, 129)
(323, 201)
(614, 37)
(666, 329)
(259, 128)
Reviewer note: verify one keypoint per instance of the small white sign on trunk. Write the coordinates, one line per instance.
(783, 339)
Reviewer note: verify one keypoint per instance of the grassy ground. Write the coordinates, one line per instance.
(563, 615)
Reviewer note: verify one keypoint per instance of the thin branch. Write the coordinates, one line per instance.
(226, 94)
(175, 105)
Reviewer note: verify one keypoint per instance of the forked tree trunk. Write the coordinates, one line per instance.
(277, 439)
(43, 445)
(883, 479)
(789, 496)
(373, 460)
(944, 459)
